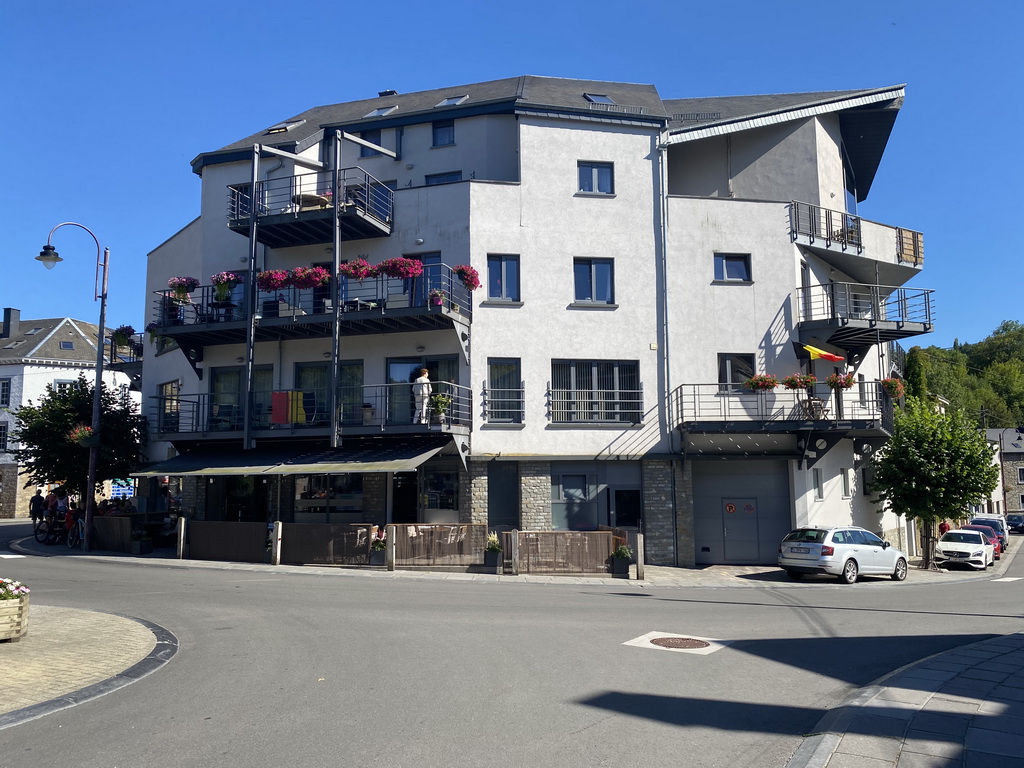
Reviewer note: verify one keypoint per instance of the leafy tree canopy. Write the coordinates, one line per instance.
(48, 454)
(935, 465)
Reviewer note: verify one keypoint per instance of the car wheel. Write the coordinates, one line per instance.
(794, 574)
(900, 572)
(849, 574)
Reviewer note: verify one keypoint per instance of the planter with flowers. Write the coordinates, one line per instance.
(894, 387)
(839, 381)
(14, 603)
(492, 552)
(799, 381)
(437, 297)
(621, 558)
(181, 287)
(761, 382)
(272, 280)
(468, 275)
(378, 547)
(83, 435)
(401, 267)
(357, 269)
(223, 282)
(151, 327)
(122, 335)
(308, 277)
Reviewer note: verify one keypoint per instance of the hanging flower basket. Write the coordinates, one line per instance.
(181, 287)
(151, 330)
(272, 280)
(468, 275)
(799, 381)
(761, 382)
(357, 269)
(122, 335)
(401, 267)
(894, 387)
(308, 277)
(223, 282)
(839, 380)
(83, 435)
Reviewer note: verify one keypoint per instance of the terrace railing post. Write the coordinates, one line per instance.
(389, 549)
(182, 523)
(275, 543)
(513, 552)
(639, 557)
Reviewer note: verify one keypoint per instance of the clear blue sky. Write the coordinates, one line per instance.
(105, 104)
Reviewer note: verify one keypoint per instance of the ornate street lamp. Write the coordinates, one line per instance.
(49, 257)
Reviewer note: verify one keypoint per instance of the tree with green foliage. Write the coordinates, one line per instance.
(917, 380)
(935, 465)
(49, 454)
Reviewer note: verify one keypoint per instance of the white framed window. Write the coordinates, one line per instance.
(443, 133)
(847, 482)
(819, 487)
(732, 268)
(3, 436)
(594, 280)
(63, 385)
(1020, 475)
(67, 345)
(503, 276)
(596, 178)
(5, 392)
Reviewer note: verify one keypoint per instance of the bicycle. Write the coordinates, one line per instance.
(41, 530)
(76, 533)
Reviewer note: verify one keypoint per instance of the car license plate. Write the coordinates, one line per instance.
(799, 550)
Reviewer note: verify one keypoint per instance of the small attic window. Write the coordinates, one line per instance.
(14, 344)
(284, 127)
(381, 111)
(67, 345)
(598, 98)
(451, 101)
(33, 332)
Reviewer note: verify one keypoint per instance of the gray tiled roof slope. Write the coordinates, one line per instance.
(732, 108)
(45, 343)
(527, 90)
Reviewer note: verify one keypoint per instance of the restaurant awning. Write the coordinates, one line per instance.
(386, 454)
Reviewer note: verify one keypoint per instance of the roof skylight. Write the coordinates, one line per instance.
(598, 98)
(381, 111)
(451, 101)
(284, 127)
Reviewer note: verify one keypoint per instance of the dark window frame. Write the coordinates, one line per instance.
(589, 180)
(592, 265)
(507, 287)
(723, 272)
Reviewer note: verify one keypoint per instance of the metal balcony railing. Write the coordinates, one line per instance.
(438, 287)
(865, 401)
(872, 303)
(575, 406)
(380, 406)
(825, 224)
(355, 190)
(124, 351)
(504, 406)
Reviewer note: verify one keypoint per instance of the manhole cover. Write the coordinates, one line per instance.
(679, 642)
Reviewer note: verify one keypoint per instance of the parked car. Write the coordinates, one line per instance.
(965, 547)
(992, 534)
(998, 523)
(1015, 522)
(846, 552)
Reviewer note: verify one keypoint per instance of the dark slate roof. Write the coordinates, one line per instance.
(45, 343)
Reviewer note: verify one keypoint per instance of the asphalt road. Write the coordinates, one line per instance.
(280, 669)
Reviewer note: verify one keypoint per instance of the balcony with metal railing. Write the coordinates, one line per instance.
(838, 232)
(865, 409)
(595, 406)
(504, 405)
(371, 409)
(434, 300)
(852, 315)
(300, 210)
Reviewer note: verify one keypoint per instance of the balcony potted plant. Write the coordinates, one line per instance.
(357, 269)
(181, 287)
(468, 275)
(799, 381)
(14, 603)
(151, 327)
(223, 282)
(437, 297)
(839, 381)
(272, 280)
(761, 382)
(401, 267)
(492, 552)
(894, 387)
(308, 277)
(440, 404)
(122, 335)
(621, 557)
(378, 546)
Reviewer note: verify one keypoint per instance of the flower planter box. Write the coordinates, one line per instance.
(14, 618)
(493, 561)
(620, 566)
(378, 557)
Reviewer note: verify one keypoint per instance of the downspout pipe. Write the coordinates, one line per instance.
(336, 181)
(250, 301)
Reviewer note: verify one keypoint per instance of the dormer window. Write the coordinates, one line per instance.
(284, 127)
(597, 98)
(452, 101)
(381, 111)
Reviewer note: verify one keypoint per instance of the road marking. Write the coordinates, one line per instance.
(644, 641)
(10, 557)
(1009, 578)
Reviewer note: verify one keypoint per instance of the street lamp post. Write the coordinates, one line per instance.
(49, 257)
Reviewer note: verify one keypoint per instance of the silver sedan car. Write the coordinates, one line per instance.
(843, 551)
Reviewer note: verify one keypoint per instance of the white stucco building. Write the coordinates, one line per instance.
(639, 259)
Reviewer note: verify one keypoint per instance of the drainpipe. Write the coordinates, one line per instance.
(336, 282)
(250, 301)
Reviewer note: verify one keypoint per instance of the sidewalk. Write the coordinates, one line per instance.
(961, 708)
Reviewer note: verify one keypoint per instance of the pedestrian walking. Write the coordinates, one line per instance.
(37, 506)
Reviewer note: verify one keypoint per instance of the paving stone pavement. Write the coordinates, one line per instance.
(961, 708)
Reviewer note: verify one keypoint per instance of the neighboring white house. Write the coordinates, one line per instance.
(34, 355)
(639, 260)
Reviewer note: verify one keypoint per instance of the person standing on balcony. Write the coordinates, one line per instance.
(421, 390)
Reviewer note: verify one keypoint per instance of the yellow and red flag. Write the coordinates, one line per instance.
(821, 353)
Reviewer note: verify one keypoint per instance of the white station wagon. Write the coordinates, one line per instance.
(846, 552)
